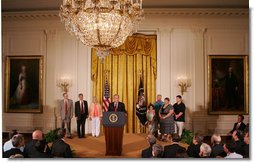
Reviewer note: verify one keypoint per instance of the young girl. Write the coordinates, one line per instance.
(150, 115)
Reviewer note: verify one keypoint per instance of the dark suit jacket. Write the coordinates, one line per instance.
(78, 110)
(147, 153)
(241, 127)
(61, 149)
(239, 147)
(31, 152)
(12, 151)
(121, 107)
(217, 150)
(170, 150)
(246, 151)
(193, 150)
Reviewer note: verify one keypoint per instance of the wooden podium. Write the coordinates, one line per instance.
(113, 123)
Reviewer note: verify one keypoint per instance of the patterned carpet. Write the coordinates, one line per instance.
(91, 147)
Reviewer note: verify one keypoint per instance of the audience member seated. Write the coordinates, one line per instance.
(171, 150)
(229, 148)
(181, 153)
(205, 150)
(8, 145)
(60, 148)
(246, 146)
(194, 149)
(33, 148)
(157, 151)
(239, 125)
(147, 153)
(238, 140)
(217, 147)
(17, 142)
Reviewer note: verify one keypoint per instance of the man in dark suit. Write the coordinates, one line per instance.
(117, 106)
(59, 147)
(81, 113)
(194, 149)
(238, 141)
(147, 153)
(171, 150)
(33, 149)
(239, 125)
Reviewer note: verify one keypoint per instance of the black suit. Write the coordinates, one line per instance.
(81, 117)
(239, 147)
(30, 151)
(147, 153)
(120, 108)
(11, 152)
(193, 150)
(217, 150)
(170, 150)
(61, 149)
(241, 127)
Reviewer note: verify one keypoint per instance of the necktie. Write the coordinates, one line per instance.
(115, 107)
(82, 108)
(66, 107)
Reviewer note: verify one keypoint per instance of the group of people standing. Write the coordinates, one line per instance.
(94, 113)
(165, 119)
(82, 112)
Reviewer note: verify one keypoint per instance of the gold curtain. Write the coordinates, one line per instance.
(123, 67)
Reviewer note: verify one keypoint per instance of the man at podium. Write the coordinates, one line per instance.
(113, 122)
(117, 106)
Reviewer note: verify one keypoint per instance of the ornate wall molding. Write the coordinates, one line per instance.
(53, 14)
(198, 12)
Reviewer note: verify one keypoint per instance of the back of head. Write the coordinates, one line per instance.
(157, 151)
(176, 137)
(17, 140)
(151, 139)
(16, 156)
(12, 133)
(199, 138)
(37, 135)
(205, 149)
(61, 133)
(215, 139)
(231, 147)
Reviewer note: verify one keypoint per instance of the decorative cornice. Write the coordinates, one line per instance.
(30, 15)
(53, 14)
(198, 12)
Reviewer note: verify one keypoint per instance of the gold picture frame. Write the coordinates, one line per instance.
(228, 84)
(23, 84)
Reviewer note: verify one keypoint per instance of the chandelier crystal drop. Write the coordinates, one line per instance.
(101, 24)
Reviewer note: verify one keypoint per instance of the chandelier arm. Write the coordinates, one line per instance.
(117, 32)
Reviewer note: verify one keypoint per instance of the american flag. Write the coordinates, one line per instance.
(106, 98)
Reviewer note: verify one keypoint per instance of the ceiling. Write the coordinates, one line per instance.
(33, 5)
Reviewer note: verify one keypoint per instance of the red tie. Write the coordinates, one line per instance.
(115, 107)
(82, 108)
(66, 107)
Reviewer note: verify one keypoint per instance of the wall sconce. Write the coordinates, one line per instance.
(64, 83)
(183, 83)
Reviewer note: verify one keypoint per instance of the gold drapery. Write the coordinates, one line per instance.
(122, 67)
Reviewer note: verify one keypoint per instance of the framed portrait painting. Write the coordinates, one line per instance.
(228, 84)
(23, 84)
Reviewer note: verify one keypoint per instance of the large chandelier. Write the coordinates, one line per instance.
(101, 24)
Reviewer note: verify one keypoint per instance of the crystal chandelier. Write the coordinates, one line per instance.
(101, 24)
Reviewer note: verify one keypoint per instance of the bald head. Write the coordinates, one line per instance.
(37, 135)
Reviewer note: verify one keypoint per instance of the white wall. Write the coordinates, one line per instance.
(184, 40)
